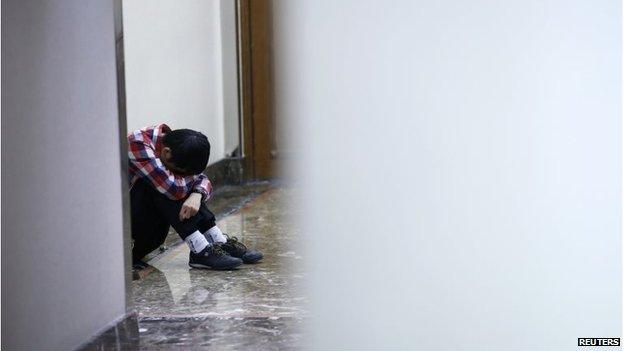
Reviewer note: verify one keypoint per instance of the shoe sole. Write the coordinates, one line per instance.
(201, 266)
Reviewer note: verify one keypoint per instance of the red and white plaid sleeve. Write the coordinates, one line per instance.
(203, 186)
(145, 164)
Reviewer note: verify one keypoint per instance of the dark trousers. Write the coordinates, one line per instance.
(152, 213)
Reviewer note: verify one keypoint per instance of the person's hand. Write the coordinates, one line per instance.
(190, 206)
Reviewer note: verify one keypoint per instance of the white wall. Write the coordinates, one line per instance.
(461, 168)
(174, 59)
(229, 68)
(62, 245)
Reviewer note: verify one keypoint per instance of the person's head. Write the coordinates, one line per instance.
(185, 151)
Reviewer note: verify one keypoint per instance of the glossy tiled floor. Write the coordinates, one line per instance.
(256, 307)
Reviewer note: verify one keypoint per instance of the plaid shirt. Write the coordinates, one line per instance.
(144, 147)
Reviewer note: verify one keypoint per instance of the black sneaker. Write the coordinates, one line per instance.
(237, 249)
(213, 257)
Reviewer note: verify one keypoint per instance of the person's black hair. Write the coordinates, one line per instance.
(190, 150)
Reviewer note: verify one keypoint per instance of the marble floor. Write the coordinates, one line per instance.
(255, 307)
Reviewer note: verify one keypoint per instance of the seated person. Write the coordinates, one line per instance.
(167, 188)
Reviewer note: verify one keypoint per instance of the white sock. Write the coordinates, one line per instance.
(197, 242)
(216, 235)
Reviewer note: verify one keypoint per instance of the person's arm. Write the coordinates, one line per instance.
(202, 189)
(142, 156)
(203, 186)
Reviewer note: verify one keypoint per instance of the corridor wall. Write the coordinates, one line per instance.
(460, 163)
(62, 236)
(181, 68)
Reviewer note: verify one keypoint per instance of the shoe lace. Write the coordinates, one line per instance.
(233, 241)
(218, 250)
